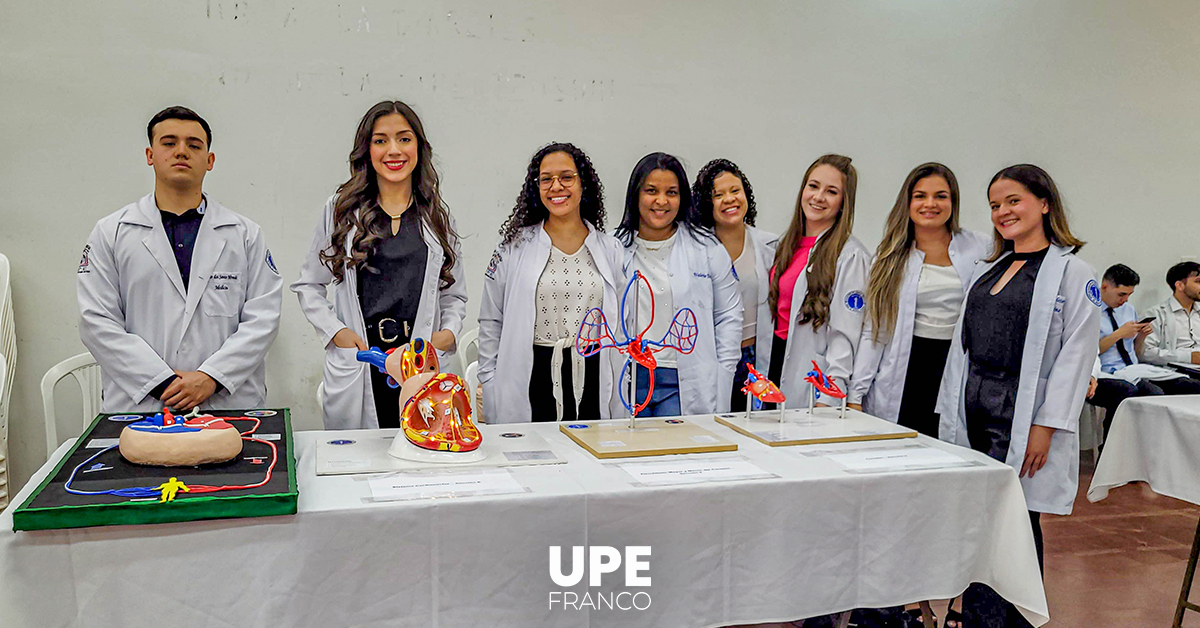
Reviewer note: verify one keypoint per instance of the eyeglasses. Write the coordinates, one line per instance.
(567, 179)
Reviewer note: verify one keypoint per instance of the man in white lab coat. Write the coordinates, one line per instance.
(178, 296)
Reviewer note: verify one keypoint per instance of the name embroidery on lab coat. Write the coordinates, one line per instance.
(1059, 301)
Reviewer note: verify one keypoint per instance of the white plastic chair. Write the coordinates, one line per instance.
(3, 427)
(468, 346)
(86, 372)
(1091, 430)
(472, 378)
(8, 363)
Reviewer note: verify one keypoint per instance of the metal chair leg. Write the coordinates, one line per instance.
(1188, 575)
(844, 620)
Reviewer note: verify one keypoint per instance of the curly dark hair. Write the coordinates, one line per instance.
(356, 205)
(703, 189)
(530, 210)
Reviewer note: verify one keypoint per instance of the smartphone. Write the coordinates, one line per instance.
(1146, 320)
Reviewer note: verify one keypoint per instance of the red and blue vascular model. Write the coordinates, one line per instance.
(595, 335)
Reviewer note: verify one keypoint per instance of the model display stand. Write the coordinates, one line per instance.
(812, 426)
(93, 485)
(650, 437)
(369, 451)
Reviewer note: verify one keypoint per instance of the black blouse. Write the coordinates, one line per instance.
(391, 286)
(994, 325)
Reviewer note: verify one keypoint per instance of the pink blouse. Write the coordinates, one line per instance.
(787, 285)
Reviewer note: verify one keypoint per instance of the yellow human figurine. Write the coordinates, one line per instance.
(170, 488)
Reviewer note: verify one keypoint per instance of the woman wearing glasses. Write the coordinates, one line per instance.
(553, 264)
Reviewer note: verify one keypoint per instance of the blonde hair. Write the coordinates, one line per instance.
(891, 258)
(1054, 222)
(822, 265)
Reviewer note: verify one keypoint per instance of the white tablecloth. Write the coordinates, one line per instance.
(814, 540)
(1154, 440)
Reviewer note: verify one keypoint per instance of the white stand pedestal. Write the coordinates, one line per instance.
(403, 449)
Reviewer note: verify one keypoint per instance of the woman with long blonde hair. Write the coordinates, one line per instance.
(816, 295)
(920, 274)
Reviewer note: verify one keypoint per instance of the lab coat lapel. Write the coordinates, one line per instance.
(156, 241)
(209, 245)
(1041, 311)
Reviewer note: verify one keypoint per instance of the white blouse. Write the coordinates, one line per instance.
(569, 286)
(652, 257)
(745, 269)
(939, 298)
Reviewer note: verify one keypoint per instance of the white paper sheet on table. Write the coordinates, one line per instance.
(880, 459)
(692, 471)
(440, 484)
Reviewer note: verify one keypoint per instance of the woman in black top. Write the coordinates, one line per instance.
(1034, 296)
(387, 245)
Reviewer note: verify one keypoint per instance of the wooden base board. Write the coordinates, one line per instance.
(649, 437)
(801, 428)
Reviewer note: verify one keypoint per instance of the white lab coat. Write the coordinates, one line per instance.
(764, 243)
(349, 399)
(141, 325)
(509, 308)
(701, 276)
(833, 345)
(1160, 345)
(1056, 366)
(880, 368)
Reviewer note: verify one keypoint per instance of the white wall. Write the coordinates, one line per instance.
(1101, 94)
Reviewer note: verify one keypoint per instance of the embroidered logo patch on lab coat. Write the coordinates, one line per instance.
(85, 264)
(271, 263)
(492, 265)
(1093, 293)
(855, 301)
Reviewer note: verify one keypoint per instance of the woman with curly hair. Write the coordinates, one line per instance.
(687, 267)
(725, 202)
(553, 264)
(817, 283)
(388, 245)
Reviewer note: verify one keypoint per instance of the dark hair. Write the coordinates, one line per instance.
(1121, 275)
(702, 191)
(356, 204)
(822, 260)
(1181, 272)
(688, 215)
(1054, 222)
(178, 112)
(531, 211)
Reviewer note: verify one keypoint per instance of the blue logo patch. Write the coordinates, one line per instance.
(577, 426)
(855, 301)
(341, 441)
(271, 263)
(1093, 293)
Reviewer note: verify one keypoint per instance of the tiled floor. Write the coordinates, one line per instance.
(1119, 562)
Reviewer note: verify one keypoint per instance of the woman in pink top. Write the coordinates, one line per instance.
(818, 282)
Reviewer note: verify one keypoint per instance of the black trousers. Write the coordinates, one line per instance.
(387, 399)
(926, 363)
(541, 390)
(991, 398)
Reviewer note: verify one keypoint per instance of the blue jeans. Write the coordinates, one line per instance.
(738, 401)
(665, 401)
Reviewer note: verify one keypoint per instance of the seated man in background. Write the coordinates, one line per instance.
(178, 296)
(1123, 338)
(1175, 333)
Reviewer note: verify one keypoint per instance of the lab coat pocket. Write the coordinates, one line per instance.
(342, 363)
(224, 294)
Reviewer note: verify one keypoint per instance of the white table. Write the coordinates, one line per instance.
(816, 539)
(1156, 440)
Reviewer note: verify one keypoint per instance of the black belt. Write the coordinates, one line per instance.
(389, 329)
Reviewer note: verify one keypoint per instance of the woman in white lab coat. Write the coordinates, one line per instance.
(725, 203)
(554, 263)
(686, 267)
(387, 244)
(818, 279)
(1022, 355)
(918, 279)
